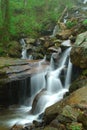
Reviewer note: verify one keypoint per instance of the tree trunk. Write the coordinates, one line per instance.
(6, 20)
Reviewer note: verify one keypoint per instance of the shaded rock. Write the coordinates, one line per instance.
(82, 118)
(79, 51)
(64, 120)
(79, 83)
(50, 128)
(55, 123)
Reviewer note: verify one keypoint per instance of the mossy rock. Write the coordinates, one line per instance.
(14, 49)
(84, 72)
(75, 126)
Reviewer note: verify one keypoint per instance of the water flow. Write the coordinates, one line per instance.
(55, 89)
(85, 1)
(24, 51)
(53, 92)
(68, 75)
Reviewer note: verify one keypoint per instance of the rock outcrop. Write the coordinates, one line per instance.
(79, 51)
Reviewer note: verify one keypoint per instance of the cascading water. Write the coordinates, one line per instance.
(47, 86)
(85, 1)
(24, 51)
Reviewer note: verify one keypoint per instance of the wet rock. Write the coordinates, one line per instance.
(18, 127)
(37, 124)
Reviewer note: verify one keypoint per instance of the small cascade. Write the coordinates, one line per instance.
(37, 83)
(55, 30)
(24, 51)
(42, 61)
(65, 18)
(64, 57)
(68, 75)
(85, 1)
(52, 66)
(30, 57)
(53, 81)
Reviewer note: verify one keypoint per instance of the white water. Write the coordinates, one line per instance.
(85, 1)
(55, 31)
(24, 51)
(54, 90)
(68, 77)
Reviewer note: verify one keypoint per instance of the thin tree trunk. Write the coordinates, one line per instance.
(6, 20)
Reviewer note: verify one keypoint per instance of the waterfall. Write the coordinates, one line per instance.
(85, 1)
(68, 75)
(55, 31)
(30, 57)
(24, 51)
(46, 89)
(54, 87)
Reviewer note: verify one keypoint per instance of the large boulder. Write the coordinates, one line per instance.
(68, 111)
(79, 51)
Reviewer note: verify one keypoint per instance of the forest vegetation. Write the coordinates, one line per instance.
(29, 17)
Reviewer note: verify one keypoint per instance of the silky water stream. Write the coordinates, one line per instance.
(48, 87)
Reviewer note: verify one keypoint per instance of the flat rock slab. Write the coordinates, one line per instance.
(15, 69)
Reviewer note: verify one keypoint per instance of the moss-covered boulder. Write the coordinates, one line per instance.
(79, 51)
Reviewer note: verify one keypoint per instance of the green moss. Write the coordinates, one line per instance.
(70, 24)
(84, 72)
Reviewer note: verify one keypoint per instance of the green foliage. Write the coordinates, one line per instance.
(85, 22)
(70, 24)
(76, 127)
(1, 50)
(84, 72)
(34, 17)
